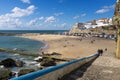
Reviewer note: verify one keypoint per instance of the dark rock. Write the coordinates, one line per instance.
(8, 62)
(11, 63)
(1, 63)
(56, 59)
(5, 74)
(48, 62)
(19, 63)
(55, 53)
(25, 71)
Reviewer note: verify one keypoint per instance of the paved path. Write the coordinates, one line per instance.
(105, 67)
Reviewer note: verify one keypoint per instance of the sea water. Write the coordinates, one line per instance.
(34, 31)
(28, 45)
(31, 46)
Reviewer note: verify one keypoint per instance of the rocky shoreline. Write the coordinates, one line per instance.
(44, 61)
(18, 52)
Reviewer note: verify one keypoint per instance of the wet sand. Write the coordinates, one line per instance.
(73, 47)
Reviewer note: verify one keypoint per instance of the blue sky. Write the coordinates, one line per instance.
(51, 14)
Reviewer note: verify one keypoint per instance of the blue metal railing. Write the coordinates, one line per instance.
(34, 75)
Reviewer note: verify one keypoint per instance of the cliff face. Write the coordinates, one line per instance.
(116, 17)
(77, 28)
(111, 29)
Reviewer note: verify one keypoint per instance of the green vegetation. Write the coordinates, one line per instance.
(48, 61)
(18, 52)
(25, 71)
(5, 74)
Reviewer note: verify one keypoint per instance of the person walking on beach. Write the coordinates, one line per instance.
(105, 49)
(100, 52)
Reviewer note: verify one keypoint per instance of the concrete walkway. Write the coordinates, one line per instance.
(105, 67)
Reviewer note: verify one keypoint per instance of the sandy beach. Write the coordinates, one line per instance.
(72, 46)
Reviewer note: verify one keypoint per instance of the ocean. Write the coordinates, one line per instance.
(28, 45)
(34, 31)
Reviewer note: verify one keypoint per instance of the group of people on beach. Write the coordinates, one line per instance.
(100, 51)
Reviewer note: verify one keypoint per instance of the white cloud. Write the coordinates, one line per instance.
(32, 22)
(18, 12)
(26, 1)
(41, 18)
(78, 16)
(64, 25)
(58, 14)
(9, 23)
(12, 20)
(102, 11)
(82, 15)
(105, 9)
(109, 7)
(50, 19)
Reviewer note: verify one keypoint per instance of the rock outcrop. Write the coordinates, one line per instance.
(77, 28)
(8, 62)
(19, 63)
(25, 71)
(11, 63)
(47, 61)
(5, 74)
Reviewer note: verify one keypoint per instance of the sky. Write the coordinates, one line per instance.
(51, 14)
